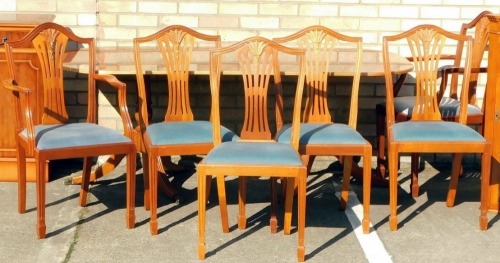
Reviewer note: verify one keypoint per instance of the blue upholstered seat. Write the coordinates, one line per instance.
(321, 133)
(448, 106)
(191, 132)
(251, 152)
(439, 131)
(57, 136)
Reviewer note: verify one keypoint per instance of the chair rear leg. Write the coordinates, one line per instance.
(346, 182)
(301, 220)
(414, 174)
(455, 174)
(221, 192)
(84, 187)
(290, 190)
(242, 201)
(202, 205)
(40, 200)
(145, 179)
(367, 176)
(131, 183)
(393, 189)
(21, 180)
(153, 193)
(273, 222)
(485, 188)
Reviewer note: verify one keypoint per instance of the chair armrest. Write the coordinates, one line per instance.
(446, 71)
(21, 108)
(121, 87)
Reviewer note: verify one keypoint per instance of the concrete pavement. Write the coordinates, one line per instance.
(428, 230)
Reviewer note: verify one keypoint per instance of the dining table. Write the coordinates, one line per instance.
(120, 62)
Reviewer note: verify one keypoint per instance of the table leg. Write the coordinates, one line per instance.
(381, 130)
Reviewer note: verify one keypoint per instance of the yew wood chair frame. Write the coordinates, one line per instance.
(55, 137)
(427, 132)
(320, 135)
(180, 133)
(256, 154)
(448, 93)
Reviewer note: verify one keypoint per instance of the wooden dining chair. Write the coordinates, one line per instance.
(320, 135)
(448, 92)
(256, 154)
(179, 132)
(55, 137)
(426, 131)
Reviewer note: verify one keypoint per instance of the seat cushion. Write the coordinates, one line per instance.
(59, 136)
(185, 132)
(440, 131)
(447, 106)
(321, 133)
(252, 153)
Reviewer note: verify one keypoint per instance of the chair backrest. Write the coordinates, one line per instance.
(322, 45)
(480, 27)
(427, 44)
(256, 60)
(178, 46)
(55, 46)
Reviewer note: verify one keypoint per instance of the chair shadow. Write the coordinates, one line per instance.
(435, 188)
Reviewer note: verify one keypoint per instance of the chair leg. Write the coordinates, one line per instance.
(209, 186)
(21, 180)
(145, 179)
(242, 201)
(273, 222)
(221, 190)
(301, 220)
(130, 182)
(290, 190)
(202, 204)
(455, 173)
(153, 193)
(414, 174)
(40, 200)
(84, 187)
(367, 176)
(346, 181)
(485, 189)
(380, 134)
(393, 188)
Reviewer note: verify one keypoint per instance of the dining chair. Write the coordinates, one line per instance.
(256, 154)
(320, 135)
(426, 131)
(55, 136)
(447, 93)
(179, 132)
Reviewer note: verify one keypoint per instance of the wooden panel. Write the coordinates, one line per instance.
(29, 76)
(492, 110)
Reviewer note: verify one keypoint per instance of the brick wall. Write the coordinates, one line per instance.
(117, 22)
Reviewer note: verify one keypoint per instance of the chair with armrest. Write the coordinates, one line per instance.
(55, 137)
(179, 132)
(256, 153)
(426, 131)
(320, 135)
(448, 92)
